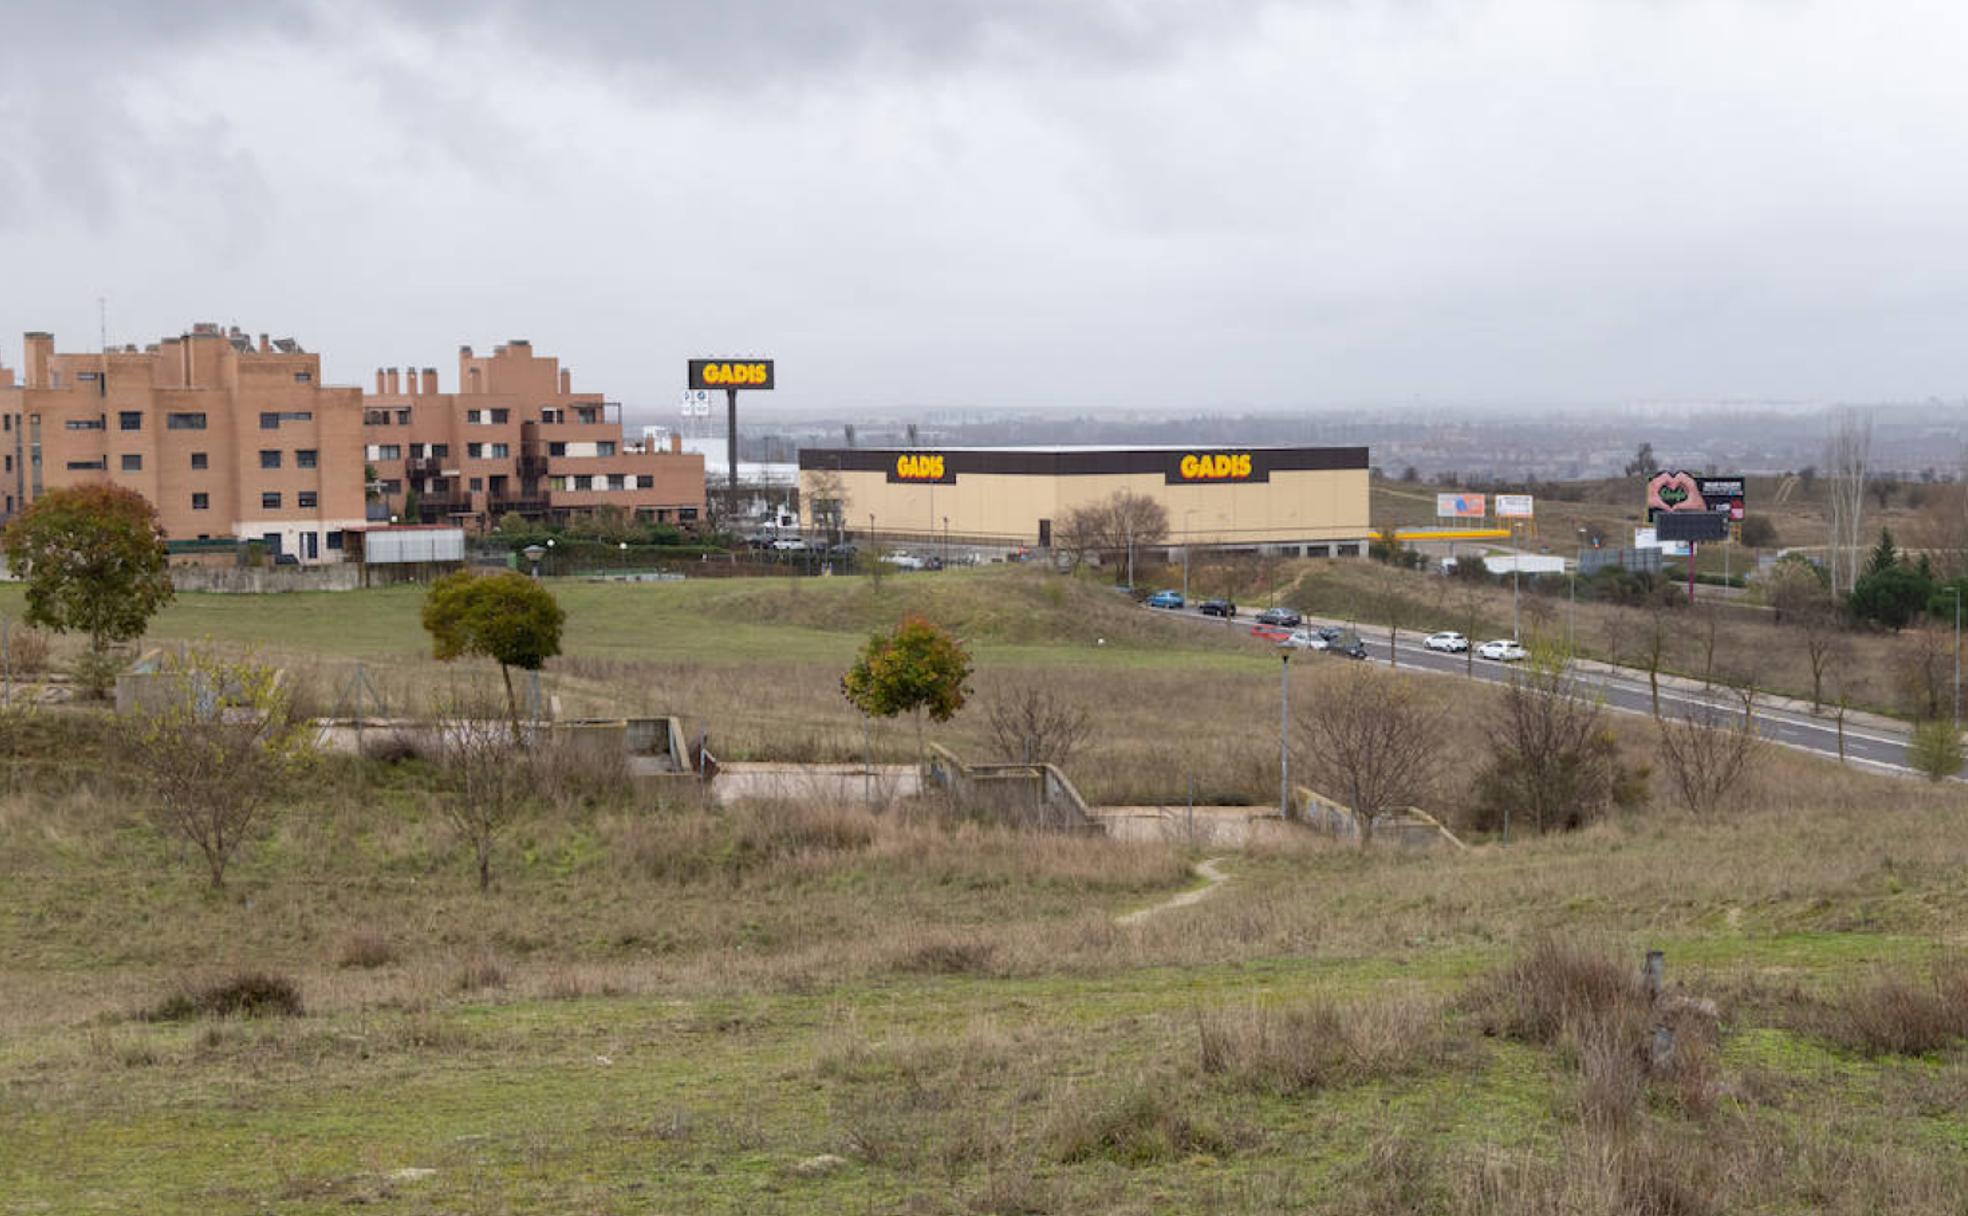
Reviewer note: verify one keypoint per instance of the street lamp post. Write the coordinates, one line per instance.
(533, 554)
(1955, 591)
(1188, 539)
(1284, 734)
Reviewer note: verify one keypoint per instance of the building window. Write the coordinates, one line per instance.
(686, 515)
(604, 447)
(129, 420)
(474, 451)
(556, 449)
(549, 414)
(500, 451)
(588, 413)
(472, 417)
(270, 500)
(305, 458)
(306, 500)
(616, 481)
(199, 461)
(184, 422)
(645, 481)
(89, 464)
(499, 417)
(334, 540)
(440, 451)
(201, 502)
(83, 424)
(269, 458)
(403, 417)
(271, 421)
(303, 377)
(477, 484)
(133, 463)
(389, 451)
(10, 462)
(584, 482)
(392, 487)
(375, 417)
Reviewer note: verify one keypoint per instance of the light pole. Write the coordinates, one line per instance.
(946, 540)
(1955, 591)
(533, 554)
(1516, 580)
(1188, 539)
(1284, 734)
(1571, 625)
(622, 547)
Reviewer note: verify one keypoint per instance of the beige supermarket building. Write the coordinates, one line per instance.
(1309, 500)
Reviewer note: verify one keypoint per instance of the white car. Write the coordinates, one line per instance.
(1448, 642)
(1304, 639)
(903, 560)
(791, 544)
(1503, 650)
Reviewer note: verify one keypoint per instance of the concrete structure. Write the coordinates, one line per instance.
(236, 439)
(516, 439)
(1309, 499)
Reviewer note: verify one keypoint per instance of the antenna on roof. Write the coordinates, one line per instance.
(102, 322)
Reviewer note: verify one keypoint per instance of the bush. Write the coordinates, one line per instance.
(366, 951)
(948, 958)
(1138, 1126)
(27, 651)
(1309, 1045)
(1900, 1015)
(247, 994)
(1935, 750)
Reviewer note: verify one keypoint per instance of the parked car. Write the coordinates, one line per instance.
(1305, 639)
(1280, 616)
(1222, 608)
(1448, 641)
(1166, 599)
(1502, 650)
(1330, 633)
(789, 544)
(902, 560)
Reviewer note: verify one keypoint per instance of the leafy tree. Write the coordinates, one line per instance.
(93, 559)
(915, 668)
(1935, 749)
(1758, 532)
(506, 617)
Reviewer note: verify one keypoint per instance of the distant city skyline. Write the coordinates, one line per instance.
(1230, 206)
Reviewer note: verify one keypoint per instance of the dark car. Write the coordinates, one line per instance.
(1329, 632)
(1349, 647)
(1280, 616)
(1222, 608)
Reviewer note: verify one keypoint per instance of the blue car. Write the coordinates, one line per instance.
(1165, 599)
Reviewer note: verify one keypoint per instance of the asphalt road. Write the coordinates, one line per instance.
(1625, 690)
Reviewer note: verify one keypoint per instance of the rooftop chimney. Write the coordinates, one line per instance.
(430, 382)
(379, 382)
(394, 388)
(266, 347)
(566, 382)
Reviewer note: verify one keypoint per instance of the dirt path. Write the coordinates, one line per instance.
(1213, 879)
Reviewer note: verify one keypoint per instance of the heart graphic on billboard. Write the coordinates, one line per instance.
(1674, 492)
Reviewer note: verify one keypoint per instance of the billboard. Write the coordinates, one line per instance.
(1459, 506)
(1683, 491)
(731, 373)
(1514, 506)
(1647, 538)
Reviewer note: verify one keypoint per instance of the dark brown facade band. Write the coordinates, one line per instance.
(931, 466)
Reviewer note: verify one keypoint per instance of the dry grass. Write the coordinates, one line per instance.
(1308, 1045)
(1142, 1124)
(1895, 1013)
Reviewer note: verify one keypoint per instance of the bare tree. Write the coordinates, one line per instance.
(1031, 724)
(1133, 521)
(1709, 620)
(1078, 533)
(1553, 758)
(212, 749)
(487, 783)
(1370, 739)
(1825, 646)
(1923, 668)
(1653, 643)
(1392, 601)
(827, 504)
(1710, 749)
(1848, 460)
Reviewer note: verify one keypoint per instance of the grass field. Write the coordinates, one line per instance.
(801, 1009)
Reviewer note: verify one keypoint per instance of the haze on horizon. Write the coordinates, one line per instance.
(1016, 204)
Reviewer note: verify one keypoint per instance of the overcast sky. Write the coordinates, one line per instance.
(1016, 203)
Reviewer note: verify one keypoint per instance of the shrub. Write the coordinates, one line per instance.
(1935, 750)
(366, 950)
(1900, 1015)
(1552, 986)
(1142, 1125)
(948, 958)
(479, 974)
(1312, 1044)
(246, 994)
(27, 651)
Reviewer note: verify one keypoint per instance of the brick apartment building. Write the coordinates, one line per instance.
(516, 438)
(233, 439)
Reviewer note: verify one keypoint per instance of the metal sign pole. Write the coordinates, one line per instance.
(731, 451)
